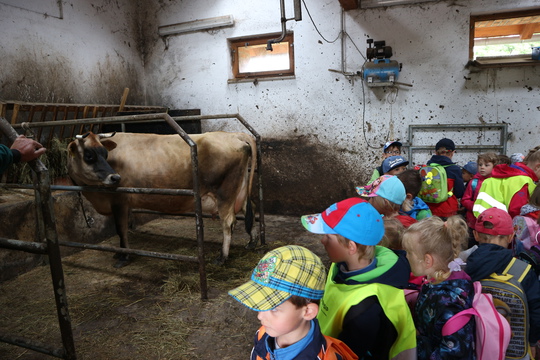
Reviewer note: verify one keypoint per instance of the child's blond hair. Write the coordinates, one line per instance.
(387, 208)
(393, 232)
(366, 252)
(445, 239)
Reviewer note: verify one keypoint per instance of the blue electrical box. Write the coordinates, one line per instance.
(381, 72)
(536, 53)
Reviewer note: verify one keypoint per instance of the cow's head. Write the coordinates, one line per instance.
(87, 160)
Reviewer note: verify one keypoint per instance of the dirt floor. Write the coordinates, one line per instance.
(150, 309)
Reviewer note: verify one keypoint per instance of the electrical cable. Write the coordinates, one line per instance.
(313, 22)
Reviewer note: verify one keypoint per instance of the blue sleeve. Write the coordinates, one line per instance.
(6, 158)
(454, 172)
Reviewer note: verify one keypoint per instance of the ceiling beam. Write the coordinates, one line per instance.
(494, 31)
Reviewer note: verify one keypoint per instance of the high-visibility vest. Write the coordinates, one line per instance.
(339, 298)
(498, 192)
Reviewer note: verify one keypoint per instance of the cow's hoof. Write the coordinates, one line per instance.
(220, 261)
(252, 244)
(121, 260)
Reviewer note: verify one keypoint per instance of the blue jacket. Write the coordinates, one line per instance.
(492, 258)
(308, 348)
(8, 157)
(420, 209)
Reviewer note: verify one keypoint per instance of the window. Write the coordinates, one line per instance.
(250, 59)
(505, 39)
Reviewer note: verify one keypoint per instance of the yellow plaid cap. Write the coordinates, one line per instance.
(281, 273)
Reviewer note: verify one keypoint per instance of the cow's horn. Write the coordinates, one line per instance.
(104, 136)
(80, 137)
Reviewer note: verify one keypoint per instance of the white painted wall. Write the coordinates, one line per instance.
(429, 39)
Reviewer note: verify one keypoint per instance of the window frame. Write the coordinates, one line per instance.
(235, 43)
(500, 61)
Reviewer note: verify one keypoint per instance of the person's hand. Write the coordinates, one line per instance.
(29, 149)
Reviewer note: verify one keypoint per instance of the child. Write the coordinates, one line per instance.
(509, 185)
(444, 151)
(387, 195)
(433, 247)
(363, 303)
(285, 288)
(468, 171)
(412, 181)
(391, 148)
(494, 231)
(394, 165)
(486, 162)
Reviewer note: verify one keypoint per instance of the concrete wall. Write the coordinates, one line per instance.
(81, 52)
(323, 132)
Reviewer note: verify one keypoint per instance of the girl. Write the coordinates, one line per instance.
(433, 247)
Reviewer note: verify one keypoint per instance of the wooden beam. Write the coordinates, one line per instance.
(494, 31)
(527, 31)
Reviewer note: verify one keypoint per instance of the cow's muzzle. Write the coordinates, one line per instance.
(112, 180)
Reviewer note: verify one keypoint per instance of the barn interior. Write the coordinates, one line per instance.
(352, 75)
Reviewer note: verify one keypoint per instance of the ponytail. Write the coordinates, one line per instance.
(443, 239)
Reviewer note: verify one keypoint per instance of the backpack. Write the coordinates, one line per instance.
(527, 231)
(492, 330)
(507, 288)
(434, 187)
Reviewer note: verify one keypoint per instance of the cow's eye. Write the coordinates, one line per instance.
(89, 156)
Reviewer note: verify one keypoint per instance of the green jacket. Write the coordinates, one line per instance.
(6, 158)
(339, 298)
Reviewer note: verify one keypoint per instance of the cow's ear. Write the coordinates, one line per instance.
(109, 144)
(72, 148)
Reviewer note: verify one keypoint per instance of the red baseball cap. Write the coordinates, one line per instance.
(494, 221)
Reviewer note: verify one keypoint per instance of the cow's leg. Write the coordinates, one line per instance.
(228, 220)
(249, 214)
(121, 222)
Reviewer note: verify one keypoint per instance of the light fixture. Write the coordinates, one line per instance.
(364, 4)
(196, 25)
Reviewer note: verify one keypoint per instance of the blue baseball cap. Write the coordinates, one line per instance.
(353, 218)
(392, 162)
(471, 167)
(390, 143)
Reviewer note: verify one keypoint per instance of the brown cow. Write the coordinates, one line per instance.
(164, 161)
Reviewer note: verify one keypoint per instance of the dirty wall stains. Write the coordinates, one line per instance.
(302, 176)
(54, 78)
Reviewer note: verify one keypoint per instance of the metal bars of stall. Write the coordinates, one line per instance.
(439, 129)
(50, 247)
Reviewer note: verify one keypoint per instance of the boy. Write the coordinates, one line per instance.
(394, 165)
(363, 303)
(444, 151)
(468, 171)
(494, 231)
(391, 148)
(412, 181)
(285, 288)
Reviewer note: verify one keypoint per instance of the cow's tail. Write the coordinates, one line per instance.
(249, 212)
